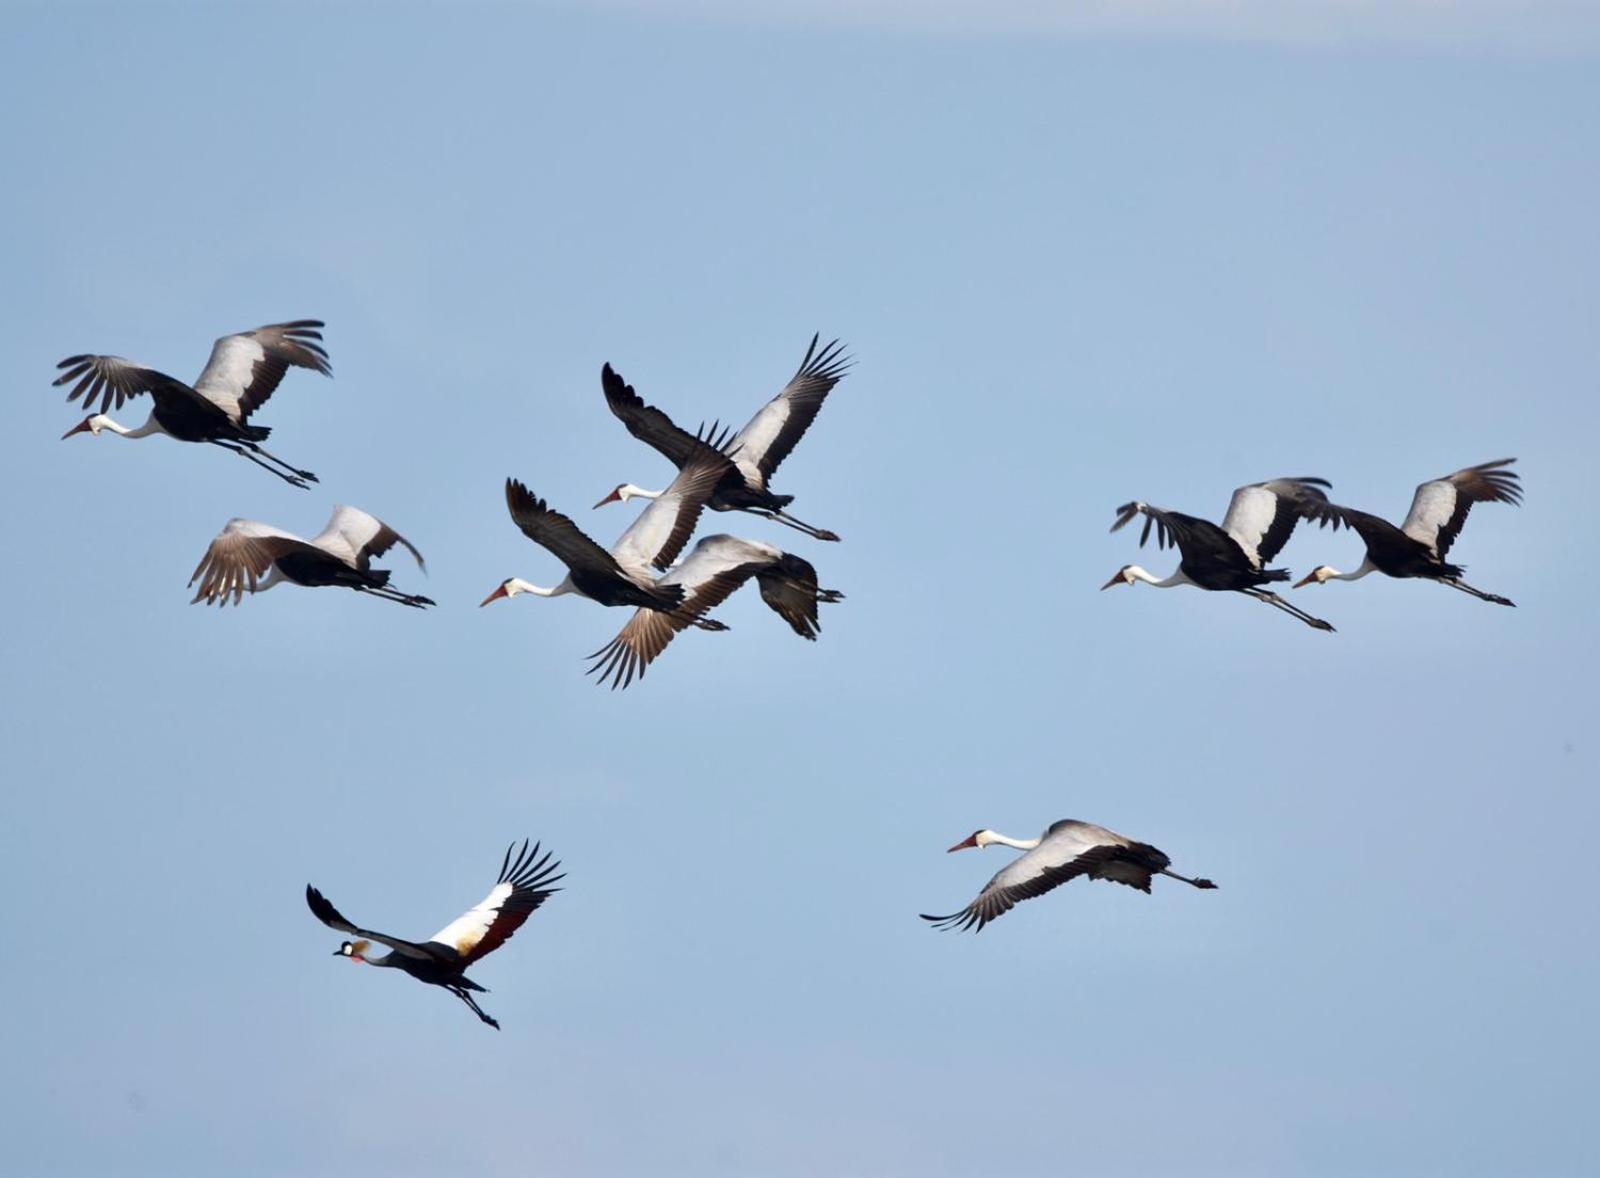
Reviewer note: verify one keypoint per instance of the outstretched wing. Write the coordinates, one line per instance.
(244, 369)
(523, 885)
(790, 589)
(239, 556)
(1194, 537)
(717, 566)
(1262, 515)
(114, 380)
(767, 438)
(329, 915)
(665, 525)
(1068, 850)
(552, 530)
(1440, 507)
(645, 422)
(356, 537)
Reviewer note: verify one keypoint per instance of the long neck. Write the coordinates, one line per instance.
(1177, 578)
(380, 962)
(629, 491)
(565, 587)
(1366, 567)
(151, 426)
(1019, 844)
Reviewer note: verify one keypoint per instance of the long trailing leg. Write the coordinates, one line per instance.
(1194, 883)
(1478, 593)
(304, 474)
(476, 1009)
(1273, 599)
(396, 596)
(293, 480)
(788, 521)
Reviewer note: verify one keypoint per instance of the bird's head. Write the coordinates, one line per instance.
(978, 838)
(355, 950)
(92, 424)
(622, 493)
(1124, 577)
(1318, 576)
(510, 587)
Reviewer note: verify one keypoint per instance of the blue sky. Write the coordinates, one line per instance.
(1077, 263)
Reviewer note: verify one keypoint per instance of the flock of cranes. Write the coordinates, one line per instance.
(1262, 516)
(645, 570)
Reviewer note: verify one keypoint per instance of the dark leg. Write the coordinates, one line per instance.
(1194, 883)
(395, 595)
(293, 480)
(303, 474)
(1478, 593)
(830, 596)
(789, 521)
(1273, 599)
(476, 1009)
(710, 624)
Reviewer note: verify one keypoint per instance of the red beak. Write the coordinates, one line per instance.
(77, 429)
(500, 591)
(970, 841)
(1116, 580)
(611, 498)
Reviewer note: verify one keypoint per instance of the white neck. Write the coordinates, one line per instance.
(518, 585)
(1019, 844)
(629, 491)
(151, 426)
(1177, 578)
(1366, 567)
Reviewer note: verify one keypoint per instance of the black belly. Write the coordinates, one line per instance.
(315, 568)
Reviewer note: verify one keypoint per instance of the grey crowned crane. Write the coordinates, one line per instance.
(1260, 518)
(715, 568)
(1065, 851)
(443, 959)
(341, 554)
(1418, 547)
(242, 373)
(626, 575)
(757, 449)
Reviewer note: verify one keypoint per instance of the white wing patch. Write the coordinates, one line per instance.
(756, 438)
(1431, 510)
(464, 932)
(349, 530)
(1250, 513)
(228, 373)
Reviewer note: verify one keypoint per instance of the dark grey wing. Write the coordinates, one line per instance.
(115, 381)
(330, 916)
(556, 532)
(645, 422)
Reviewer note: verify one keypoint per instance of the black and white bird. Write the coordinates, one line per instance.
(443, 959)
(712, 571)
(341, 554)
(1418, 547)
(242, 373)
(626, 575)
(1233, 557)
(1065, 851)
(757, 449)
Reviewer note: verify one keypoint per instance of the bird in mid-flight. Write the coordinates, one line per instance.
(1065, 851)
(1418, 547)
(242, 373)
(443, 959)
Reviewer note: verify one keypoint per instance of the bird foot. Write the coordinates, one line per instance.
(824, 534)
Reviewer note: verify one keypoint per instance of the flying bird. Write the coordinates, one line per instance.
(443, 959)
(242, 373)
(340, 554)
(757, 449)
(712, 571)
(1418, 547)
(1233, 557)
(626, 575)
(1065, 851)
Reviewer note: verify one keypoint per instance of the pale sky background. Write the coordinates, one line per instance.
(1156, 251)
